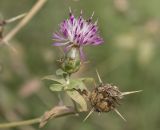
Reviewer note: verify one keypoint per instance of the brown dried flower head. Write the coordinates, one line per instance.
(105, 98)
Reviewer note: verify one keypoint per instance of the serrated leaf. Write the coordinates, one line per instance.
(54, 78)
(78, 99)
(60, 72)
(57, 87)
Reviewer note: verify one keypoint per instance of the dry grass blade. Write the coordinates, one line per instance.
(15, 18)
(24, 21)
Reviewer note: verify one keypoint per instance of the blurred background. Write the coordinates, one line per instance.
(129, 58)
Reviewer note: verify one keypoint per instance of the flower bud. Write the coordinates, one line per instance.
(71, 62)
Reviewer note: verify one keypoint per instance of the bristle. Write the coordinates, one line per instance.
(81, 13)
(120, 114)
(96, 22)
(90, 19)
(99, 78)
(92, 110)
(131, 92)
(92, 15)
(70, 11)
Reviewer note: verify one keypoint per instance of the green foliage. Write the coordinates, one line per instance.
(57, 87)
(78, 99)
(60, 72)
(76, 84)
(54, 78)
(73, 83)
(71, 87)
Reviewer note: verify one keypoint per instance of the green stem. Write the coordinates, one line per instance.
(20, 123)
(67, 78)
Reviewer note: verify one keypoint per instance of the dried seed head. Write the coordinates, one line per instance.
(105, 98)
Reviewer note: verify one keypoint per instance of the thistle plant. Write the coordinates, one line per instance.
(75, 34)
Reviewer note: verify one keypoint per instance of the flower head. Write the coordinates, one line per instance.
(106, 97)
(77, 32)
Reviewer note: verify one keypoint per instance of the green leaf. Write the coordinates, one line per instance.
(78, 99)
(79, 83)
(54, 78)
(57, 87)
(60, 72)
(76, 84)
(87, 79)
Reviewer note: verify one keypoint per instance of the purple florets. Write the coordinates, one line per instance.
(77, 32)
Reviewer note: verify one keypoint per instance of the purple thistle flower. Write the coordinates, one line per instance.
(77, 32)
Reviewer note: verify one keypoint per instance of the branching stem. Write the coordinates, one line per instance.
(36, 120)
(38, 5)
